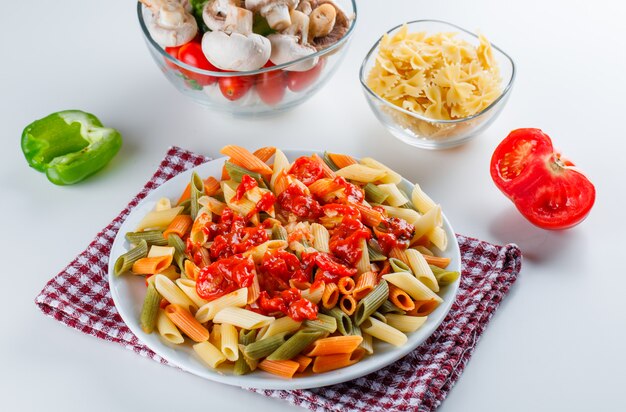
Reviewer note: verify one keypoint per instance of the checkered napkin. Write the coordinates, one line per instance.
(79, 297)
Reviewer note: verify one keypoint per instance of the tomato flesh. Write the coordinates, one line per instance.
(295, 200)
(306, 170)
(191, 53)
(225, 276)
(547, 189)
(234, 88)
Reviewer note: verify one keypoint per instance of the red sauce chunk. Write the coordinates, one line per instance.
(231, 236)
(295, 200)
(289, 302)
(395, 233)
(247, 183)
(306, 170)
(345, 243)
(352, 192)
(224, 276)
(331, 269)
(278, 268)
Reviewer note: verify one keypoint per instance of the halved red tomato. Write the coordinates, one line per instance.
(299, 81)
(191, 53)
(271, 86)
(306, 170)
(546, 188)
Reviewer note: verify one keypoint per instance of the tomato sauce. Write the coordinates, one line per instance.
(396, 233)
(306, 170)
(295, 200)
(225, 276)
(345, 242)
(231, 236)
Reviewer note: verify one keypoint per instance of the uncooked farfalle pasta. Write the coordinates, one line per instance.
(289, 267)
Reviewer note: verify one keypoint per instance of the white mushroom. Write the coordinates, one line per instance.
(293, 44)
(214, 13)
(171, 25)
(305, 7)
(276, 12)
(322, 20)
(236, 48)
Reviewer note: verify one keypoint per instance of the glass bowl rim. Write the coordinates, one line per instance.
(505, 91)
(193, 69)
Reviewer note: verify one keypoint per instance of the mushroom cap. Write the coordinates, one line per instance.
(276, 12)
(236, 52)
(286, 48)
(257, 5)
(214, 13)
(171, 26)
(342, 24)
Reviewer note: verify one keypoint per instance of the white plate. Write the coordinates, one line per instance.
(128, 293)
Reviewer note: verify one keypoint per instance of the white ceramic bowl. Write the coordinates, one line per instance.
(128, 293)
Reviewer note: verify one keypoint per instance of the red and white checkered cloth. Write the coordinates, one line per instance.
(79, 297)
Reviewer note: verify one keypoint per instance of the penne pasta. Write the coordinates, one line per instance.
(172, 293)
(180, 225)
(242, 318)
(363, 265)
(327, 363)
(394, 196)
(150, 309)
(330, 296)
(188, 286)
(341, 160)
(416, 289)
(187, 324)
(384, 332)
(344, 323)
(282, 368)
(151, 265)
(209, 354)
(400, 298)
(159, 251)
(421, 270)
(334, 345)
(348, 304)
(361, 173)
(405, 323)
(346, 285)
(280, 325)
(421, 200)
(265, 153)
(423, 307)
(371, 302)
(323, 322)
(391, 176)
(237, 298)
(159, 220)
(126, 261)
(167, 329)
(245, 159)
(364, 285)
(321, 237)
(229, 342)
(303, 361)
(296, 344)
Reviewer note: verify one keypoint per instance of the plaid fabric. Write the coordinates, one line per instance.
(79, 297)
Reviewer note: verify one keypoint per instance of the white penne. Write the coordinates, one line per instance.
(216, 336)
(383, 331)
(230, 342)
(167, 329)
(258, 251)
(214, 205)
(367, 343)
(394, 196)
(254, 290)
(424, 250)
(405, 323)
(391, 177)
(159, 219)
(313, 295)
(416, 289)
(163, 204)
(320, 237)
(284, 324)
(409, 215)
(209, 354)
(242, 318)
(361, 173)
(280, 163)
(438, 237)
(208, 311)
(242, 206)
(363, 265)
(188, 287)
(427, 222)
(172, 293)
(170, 272)
(421, 269)
(421, 200)
(157, 251)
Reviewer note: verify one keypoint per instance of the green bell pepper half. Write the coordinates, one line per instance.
(69, 146)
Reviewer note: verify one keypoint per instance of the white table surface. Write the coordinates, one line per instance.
(556, 343)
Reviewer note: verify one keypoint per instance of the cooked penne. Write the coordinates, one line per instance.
(151, 237)
(237, 298)
(400, 298)
(280, 163)
(296, 344)
(265, 153)
(421, 270)
(229, 342)
(303, 361)
(405, 323)
(394, 196)
(167, 329)
(421, 200)
(264, 347)
(364, 285)
(242, 318)
(151, 265)
(363, 265)
(172, 293)
(426, 222)
(180, 225)
(410, 215)
(188, 286)
(126, 261)
(423, 307)
(371, 302)
(361, 173)
(321, 237)
(384, 332)
(348, 304)
(216, 336)
(254, 291)
(150, 309)
(398, 265)
(344, 323)
(323, 322)
(330, 296)
(187, 324)
(444, 277)
(346, 285)
(328, 172)
(416, 289)
(159, 220)
(280, 325)
(197, 234)
(391, 177)
(331, 362)
(438, 237)
(441, 262)
(367, 345)
(333, 345)
(341, 160)
(245, 159)
(158, 251)
(283, 368)
(209, 354)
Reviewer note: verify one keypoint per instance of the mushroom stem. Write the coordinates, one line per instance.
(171, 25)
(278, 17)
(322, 20)
(238, 20)
(299, 26)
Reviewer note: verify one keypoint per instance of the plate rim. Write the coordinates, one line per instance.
(268, 381)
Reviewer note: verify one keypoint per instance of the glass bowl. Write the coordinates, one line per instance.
(202, 86)
(420, 131)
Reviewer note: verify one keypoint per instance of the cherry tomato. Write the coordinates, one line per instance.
(271, 86)
(306, 170)
(191, 54)
(299, 81)
(224, 276)
(234, 88)
(547, 189)
(172, 51)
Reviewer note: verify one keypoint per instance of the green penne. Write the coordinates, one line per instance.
(370, 303)
(344, 323)
(236, 173)
(279, 233)
(150, 309)
(374, 251)
(197, 191)
(186, 204)
(179, 250)
(389, 307)
(329, 162)
(379, 316)
(399, 266)
(356, 330)
(152, 237)
(373, 194)
(296, 344)
(246, 337)
(264, 347)
(409, 204)
(125, 262)
(323, 322)
(444, 277)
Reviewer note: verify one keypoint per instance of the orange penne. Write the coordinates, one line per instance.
(304, 362)
(322, 187)
(334, 345)
(265, 153)
(364, 285)
(347, 303)
(327, 170)
(423, 307)
(282, 182)
(254, 290)
(370, 216)
(191, 270)
(441, 262)
(180, 226)
(398, 253)
(341, 160)
(152, 265)
(284, 368)
(225, 175)
(242, 157)
(198, 235)
(327, 363)
(400, 298)
(330, 296)
(211, 187)
(187, 323)
(346, 285)
(386, 269)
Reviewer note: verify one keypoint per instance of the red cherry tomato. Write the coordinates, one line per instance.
(306, 170)
(172, 51)
(234, 88)
(547, 189)
(224, 276)
(191, 54)
(299, 81)
(271, 86)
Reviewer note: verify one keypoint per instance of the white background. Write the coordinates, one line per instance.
(556, 343)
